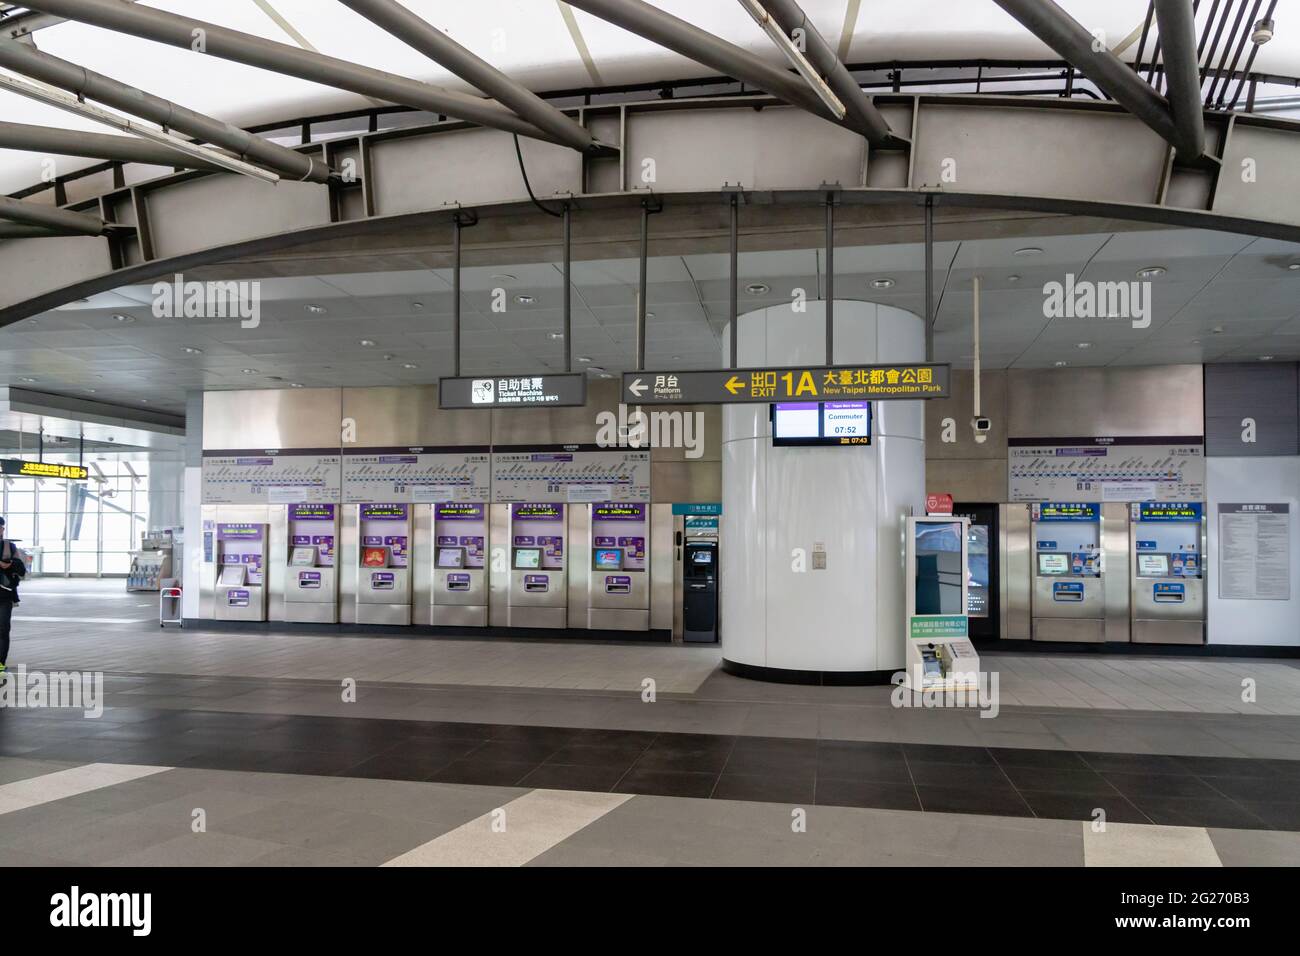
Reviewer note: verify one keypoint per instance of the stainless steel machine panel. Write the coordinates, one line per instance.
(253, 610)
(620, 600)
(1016, 574)
(1068, 597)
(538, 599)
(346, 561)
(661, 567)
(1168, 608)
(460, 597)
(311, 595)
(499, 565)
(277, 579)
(1056, 618)
(380, 603)
(422, 561)
(577, 545)
(1115, 568)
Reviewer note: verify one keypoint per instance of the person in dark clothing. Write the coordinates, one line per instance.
(12, 570)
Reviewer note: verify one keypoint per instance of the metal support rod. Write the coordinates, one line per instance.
(1217, 102)
(66, 142)
(1075, 45)
(1220, 73)
(568, 288)
(1183, 74)
(862, 114)
(437, 46)
(929, 278)
(455, 297)
(642, 285)
(16, 231)
(51, 217)
(830, 279)
(82, 82)
(734, 307)
(81, 449)
(151, 23)
(40, 447)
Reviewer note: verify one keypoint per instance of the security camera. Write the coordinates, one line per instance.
(981, 427)
(1262, 33)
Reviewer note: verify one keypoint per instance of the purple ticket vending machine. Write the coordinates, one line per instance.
(240, 555)
(311, 578)
(538, 594)
(459, 594)
(618, 577)
(383, 564)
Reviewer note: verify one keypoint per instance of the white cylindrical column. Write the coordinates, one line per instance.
(781, 618)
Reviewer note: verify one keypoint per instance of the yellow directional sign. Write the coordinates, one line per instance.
(42, 469)
(897, 381)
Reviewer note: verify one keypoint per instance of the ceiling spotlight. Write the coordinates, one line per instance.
(1266, 358)
(123, 318)
(249, 371)
(525, 299)
(649, 315)
(417, 306)
(1061, 364)
(388, 356)
(367, 343)
(1013, 278)
(1262, 32)
(557, 336)
(295, 384)
(606, 375)
(91, 391)
(584, 358)
(757, 288)
(144, 401)
(882, 283)
(191, 350)
(1217, 330)
(317, 309)
(1085, 345)
(409, 365)
(1150, 272)
(1293, 266)
(1028, 251)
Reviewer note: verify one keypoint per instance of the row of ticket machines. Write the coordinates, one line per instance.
(395, 576)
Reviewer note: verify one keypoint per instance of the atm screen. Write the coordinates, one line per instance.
(374, 557)
(528, 559)
(1053, 564)
(608, 559)
(701, 557)
(451, 557)
(1153, 565)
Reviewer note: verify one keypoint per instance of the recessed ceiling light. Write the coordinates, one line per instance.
(1266, 358)
(1293, 266)
(295, 384)
(1029, 251)
(525, 299)
(91, 390)
(191, 350)
(584, 358)
(316, 309)
(1085, 345)
(417, 306)
(596, 369)
(649, 315)
(367, 343)
(606, 375)
(250, 371)
(409, 365)
(882, 283)
(1013, 278)
(144, 401)
(757, 288)
(677, 358)
(1217, 330)
(123, 318)
(1060, 364)
(557, 336)
(389, 356)
(1150, 272)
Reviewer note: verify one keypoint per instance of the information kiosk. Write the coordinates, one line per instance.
(383, 556)
(940, 655)
(618, 578)
(459, 594)
(1068, 600)
(538, 594)
(241, 572)
(1168, 576)
(311, 589)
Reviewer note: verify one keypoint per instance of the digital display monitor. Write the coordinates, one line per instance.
(1053, 564)
(701, 557)
(1153, 565)
(374, 556)
(528, 559)
(821, 423)
(303, 557)
(232, 575)
(451, 557)
(607, 559)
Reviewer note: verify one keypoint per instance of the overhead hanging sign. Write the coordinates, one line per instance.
(42, 469)
(513, 391)
(908, 380)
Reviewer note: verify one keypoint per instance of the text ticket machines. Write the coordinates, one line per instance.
(618, 579)
(311, 588)
(1068, 602)
(1168, 572)
(384, 575)
(940, 655)
(460, 589)
(241, 572)
(539, 593)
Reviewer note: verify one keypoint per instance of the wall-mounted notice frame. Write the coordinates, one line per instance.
(259, 476)
(416, 474)
(1255, 551)
(553, 473)
(1106, 469)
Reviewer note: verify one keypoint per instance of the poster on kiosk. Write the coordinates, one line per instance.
(940, 655)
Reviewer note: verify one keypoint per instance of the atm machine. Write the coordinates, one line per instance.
(1168, 572)
(240, 554)
(383, 564)
(459, 593)
(311, 579)
(700, 592)
(618, 577)
(538, 594)
(1068, 601)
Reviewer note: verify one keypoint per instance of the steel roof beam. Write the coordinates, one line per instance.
(105, 146)
(18, 231)
(82, 82)
(160, 26)
(1178, 40)
(51, 217)
(417, 33)
(1075, 45)
(22, 22)
(862, 112)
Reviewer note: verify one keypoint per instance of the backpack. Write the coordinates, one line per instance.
(16, 572)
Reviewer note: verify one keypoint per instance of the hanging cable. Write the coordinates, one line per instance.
(523, 172)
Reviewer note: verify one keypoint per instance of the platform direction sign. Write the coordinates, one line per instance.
(899, 380)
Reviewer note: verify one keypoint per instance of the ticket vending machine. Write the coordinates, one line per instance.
(939, 653)
(459, 594)
(618, 576)
(1068, 601)
(311, 579)
(383, 557)
(538, 594)
(1168, 572)
(240, 593)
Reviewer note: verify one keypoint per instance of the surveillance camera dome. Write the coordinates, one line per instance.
(1262, 33)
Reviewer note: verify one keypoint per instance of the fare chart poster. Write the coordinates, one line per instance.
(416, 474)
(1106, 469)
(266, 476)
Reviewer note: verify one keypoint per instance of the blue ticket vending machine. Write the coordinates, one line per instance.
(1068, 600)
(1167, 597)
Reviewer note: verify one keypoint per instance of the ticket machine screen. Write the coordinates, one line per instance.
(1153, 565)
(608, 559)
(528, 559)
(451, 557)
(374, 557)
(1053, 564)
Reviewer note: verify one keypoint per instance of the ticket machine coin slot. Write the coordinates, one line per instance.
(1067, 592)
(458, 582)
(536, 583)
(1168, 593)
(618, 584)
